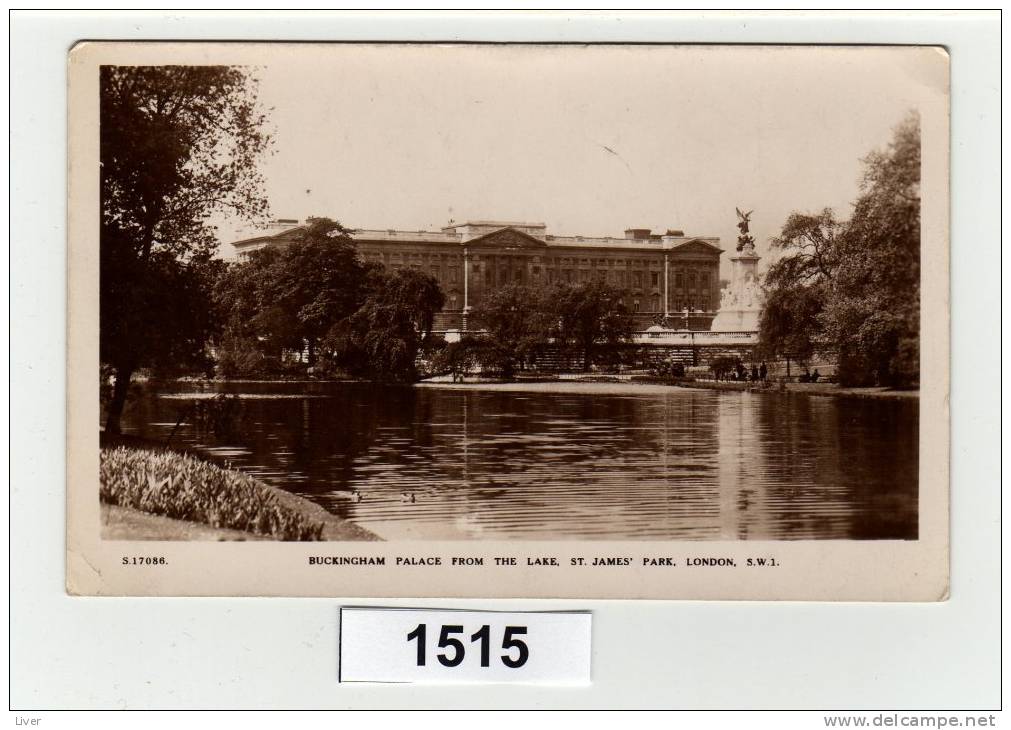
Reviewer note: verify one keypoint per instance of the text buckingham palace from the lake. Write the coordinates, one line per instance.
(662, 273)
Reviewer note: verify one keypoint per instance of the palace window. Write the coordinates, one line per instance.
(637, 278)
(679, 280)
(654, 279)
(488, 277)
(452, 276)
(635, 305)
(437, 273)
(569, 276)
(452, 301)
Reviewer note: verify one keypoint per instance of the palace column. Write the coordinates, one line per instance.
(666, 284)
(466, 289)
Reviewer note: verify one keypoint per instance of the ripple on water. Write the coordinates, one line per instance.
(668, 464)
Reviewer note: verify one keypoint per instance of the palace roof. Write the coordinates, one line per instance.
(459, 233)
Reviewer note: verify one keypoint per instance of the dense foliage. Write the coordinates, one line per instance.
(517, 322)
(854, 287)
(184, 488)
(287, 299)
(177, 144)
(315, 296)
(457, 359)
(582, 319)
(798, 285)
(352, 318)
(383, 337)
(589, 315)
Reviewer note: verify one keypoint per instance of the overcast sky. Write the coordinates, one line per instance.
(589, 140)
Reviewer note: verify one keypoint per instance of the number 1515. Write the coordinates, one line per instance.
(515, 655)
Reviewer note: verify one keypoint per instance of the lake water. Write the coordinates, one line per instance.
(581, 463)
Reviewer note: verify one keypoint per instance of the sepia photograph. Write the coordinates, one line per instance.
(495, 296)
(501, 359)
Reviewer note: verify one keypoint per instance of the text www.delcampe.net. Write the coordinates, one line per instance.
(910, 720)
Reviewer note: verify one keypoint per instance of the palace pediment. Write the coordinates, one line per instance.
(697, 247)
(508, 239)
(284, 236)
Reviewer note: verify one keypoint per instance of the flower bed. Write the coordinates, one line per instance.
(181, 487)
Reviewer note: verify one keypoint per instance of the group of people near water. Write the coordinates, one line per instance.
(741, 374)
(808, 377)
(759, 374)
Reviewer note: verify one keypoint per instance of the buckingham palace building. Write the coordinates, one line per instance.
(668, 275)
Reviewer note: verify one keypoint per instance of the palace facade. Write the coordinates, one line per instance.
(670, 275)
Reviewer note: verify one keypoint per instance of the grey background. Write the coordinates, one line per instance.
(233, 653)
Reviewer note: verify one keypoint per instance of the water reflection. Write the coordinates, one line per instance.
(673, 464)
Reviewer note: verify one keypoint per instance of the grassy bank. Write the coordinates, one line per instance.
(182, 487)
(124, 523)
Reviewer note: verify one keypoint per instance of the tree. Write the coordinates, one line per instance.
(457, 358)
(789, 327)
(873, 315)
(798, 285)
(516, 320)
(316, 294)
(855, 287)
(315, 282)
(383, 337)
(177, 144)
(588, 315)
(286, 299)
(255, 332)
(161, 292)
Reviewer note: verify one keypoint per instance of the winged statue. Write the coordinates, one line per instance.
(745, 219)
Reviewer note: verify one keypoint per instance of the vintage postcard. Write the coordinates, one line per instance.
(510, 320)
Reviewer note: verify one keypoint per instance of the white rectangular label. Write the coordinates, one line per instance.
(420, 645)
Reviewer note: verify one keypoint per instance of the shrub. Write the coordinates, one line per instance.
(667, 369)
(457, 359)
(240, 357)
(185, 488)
